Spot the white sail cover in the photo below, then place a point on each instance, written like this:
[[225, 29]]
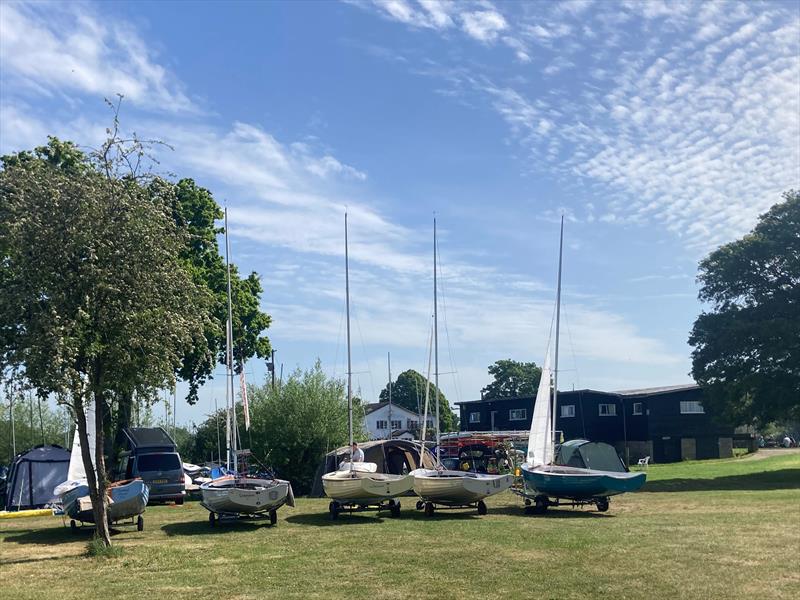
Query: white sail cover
[[540, 441], [245, 404], [76, 474]]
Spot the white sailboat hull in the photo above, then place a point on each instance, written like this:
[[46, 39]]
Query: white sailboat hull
[[364, 488], [246, 495], [457, 488]]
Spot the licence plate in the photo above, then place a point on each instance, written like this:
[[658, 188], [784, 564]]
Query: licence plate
[[159, 481]]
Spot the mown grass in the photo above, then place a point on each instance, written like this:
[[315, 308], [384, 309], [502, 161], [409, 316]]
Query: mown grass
[[715, 540]]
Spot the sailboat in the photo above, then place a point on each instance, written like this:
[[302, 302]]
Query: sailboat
[[441, 486], [358, 485], [547, 481], [233, 495], [126, 499]]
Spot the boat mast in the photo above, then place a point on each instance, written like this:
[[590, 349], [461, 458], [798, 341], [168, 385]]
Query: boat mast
[[349, 364], [229, 391], [558, 321], [436, 345], [389, 364]]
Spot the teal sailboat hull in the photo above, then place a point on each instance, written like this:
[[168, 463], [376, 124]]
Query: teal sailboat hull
[[574, 483]]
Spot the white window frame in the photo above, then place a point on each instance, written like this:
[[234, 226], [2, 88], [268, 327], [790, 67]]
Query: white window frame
[[610, 408], [567, 411], [692, 407], [518, 411], [381, 424], [474, 417], [641, 408], [397, 424], [412, 424]]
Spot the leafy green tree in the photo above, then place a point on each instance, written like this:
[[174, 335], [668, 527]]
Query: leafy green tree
[[35, 422], [96, 301], [295, 424], [747, 346], [512, 378], [409, 392]]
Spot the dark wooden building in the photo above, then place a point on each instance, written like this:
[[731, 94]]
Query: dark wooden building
[[668, 424]]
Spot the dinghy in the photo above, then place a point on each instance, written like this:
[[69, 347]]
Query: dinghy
[[551, 479], [358, 485], [127, 500], [231, 495], [441, 486]]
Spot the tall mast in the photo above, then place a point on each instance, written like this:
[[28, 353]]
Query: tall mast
[[558, 322], [229, 354], [436, 344], [389, 364], [349, 363]]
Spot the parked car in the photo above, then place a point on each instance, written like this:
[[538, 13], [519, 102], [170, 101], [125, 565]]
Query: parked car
[[153, 456]]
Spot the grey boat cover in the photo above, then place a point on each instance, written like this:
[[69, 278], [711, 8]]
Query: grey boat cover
[[33, 476], [589, 455]]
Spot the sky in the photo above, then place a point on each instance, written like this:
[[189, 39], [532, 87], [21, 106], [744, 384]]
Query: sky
[[659, 130]]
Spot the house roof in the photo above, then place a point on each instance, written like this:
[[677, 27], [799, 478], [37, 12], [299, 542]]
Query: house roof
[[371, 408], [657, 390]]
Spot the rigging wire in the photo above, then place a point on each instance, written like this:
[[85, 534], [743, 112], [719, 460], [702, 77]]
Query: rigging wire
[[441, 281]]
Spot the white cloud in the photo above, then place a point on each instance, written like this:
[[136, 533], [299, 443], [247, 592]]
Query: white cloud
[[57, 48], [483, 25]]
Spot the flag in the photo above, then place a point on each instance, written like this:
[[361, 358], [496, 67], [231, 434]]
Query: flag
[[245, 405]]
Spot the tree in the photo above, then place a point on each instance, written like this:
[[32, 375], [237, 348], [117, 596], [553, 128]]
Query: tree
[[35, 422], [409, 392], [96, 302], [295, 424], [747, 346], [512, 378]]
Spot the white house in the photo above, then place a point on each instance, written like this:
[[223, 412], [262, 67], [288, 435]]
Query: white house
[[405, 423]]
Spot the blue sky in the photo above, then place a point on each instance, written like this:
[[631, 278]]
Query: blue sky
[[659, 129]]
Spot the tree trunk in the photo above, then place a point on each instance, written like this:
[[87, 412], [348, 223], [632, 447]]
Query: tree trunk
[[123, 420], [100, 502], [98, 506]]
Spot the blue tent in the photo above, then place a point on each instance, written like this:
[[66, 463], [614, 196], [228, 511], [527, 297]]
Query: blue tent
[[33, 476]]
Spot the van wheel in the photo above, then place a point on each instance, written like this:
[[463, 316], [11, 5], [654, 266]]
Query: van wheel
[[140, 523]]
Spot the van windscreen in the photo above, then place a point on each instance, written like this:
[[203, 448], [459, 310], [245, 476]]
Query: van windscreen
[[158, 462]]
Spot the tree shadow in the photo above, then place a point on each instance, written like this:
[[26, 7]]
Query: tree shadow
[[783, 479], [24, 561], [441, 513], [221, 528], [50, 536]]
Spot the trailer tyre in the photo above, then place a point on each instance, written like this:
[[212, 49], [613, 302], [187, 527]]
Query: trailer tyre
[[602, 504], [212, 519], [429, 509], [73, 526], [394, 508], [140, 523], [273, 517], [420, 505], [540, 504], [334, 509], [482, 510]]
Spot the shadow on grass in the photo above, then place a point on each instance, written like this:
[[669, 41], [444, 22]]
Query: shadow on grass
[[783, 479], [52, 536], [554, 512], [23, 561], [441, 513], [323, 519], [205, 528]]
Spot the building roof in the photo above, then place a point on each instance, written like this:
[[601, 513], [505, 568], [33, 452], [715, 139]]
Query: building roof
[[372, 407], [657, 390], [637, 392]]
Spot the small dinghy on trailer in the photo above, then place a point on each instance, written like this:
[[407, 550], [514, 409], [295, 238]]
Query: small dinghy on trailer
[[231, 495], [452, 489], [357, 485], [582, 472], [127, 499]]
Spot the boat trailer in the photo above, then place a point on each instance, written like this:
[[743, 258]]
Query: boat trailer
[[336, 508], [537, 504], [431, 507], [215, 517]]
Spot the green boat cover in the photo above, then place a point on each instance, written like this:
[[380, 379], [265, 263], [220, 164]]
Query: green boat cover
[[589, 455]]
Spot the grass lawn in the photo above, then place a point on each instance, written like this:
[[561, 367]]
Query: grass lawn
[[710, 529]]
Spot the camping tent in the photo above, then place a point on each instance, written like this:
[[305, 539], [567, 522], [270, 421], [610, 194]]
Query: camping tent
[[33, 476], [391, 456], [589, 455]]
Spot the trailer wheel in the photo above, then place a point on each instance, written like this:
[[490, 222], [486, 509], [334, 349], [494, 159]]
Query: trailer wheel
[[602, 504], [394, 508], [334, 509], [273, 517], [73, 526], [140, 523], [482, 510], [429, 509], [212, 518], [420, 505], [179, 501], [540, 504]]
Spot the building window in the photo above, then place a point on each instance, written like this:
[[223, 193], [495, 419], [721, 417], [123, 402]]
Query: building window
[[567, 410], [637, 408], [475, 417], [412, 424], [518, 414], [691, 407], [607, 410], [397, 424], [380, 424]]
